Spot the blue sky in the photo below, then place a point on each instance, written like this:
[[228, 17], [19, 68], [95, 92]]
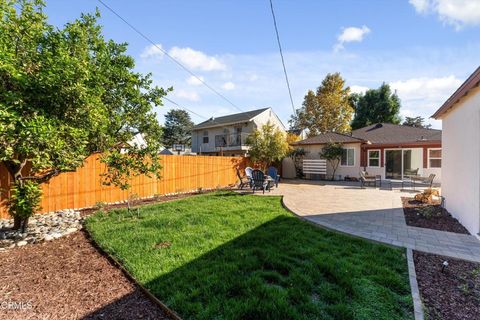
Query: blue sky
[[423, 48]]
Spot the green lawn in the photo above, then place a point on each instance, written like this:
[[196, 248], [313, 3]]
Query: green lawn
[[242, 256]]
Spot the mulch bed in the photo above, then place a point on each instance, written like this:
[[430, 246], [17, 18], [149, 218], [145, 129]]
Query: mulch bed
[[452, 294], [440, 220], [140, 202], [68, 279]]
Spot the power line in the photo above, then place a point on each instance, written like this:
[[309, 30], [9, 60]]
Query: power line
[[182, 107], [281, 55], [169, 56]]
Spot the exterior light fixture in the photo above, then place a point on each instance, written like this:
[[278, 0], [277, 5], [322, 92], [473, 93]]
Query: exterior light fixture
[[444, 265]]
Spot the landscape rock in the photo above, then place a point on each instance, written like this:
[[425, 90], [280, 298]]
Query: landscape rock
[[42, 227]]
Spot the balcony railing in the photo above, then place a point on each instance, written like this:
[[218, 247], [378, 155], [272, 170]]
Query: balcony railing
[[230, 140]]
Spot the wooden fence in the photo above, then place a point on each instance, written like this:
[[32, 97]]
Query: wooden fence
[[83, 188]]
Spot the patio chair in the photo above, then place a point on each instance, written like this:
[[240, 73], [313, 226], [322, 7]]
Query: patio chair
[[411, 172], [273, 173], [242, 180], [366, 179], [423, 181], [259, 181], [248, 174]]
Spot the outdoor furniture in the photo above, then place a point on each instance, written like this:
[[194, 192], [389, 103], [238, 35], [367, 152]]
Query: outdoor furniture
[[242, 180], [248, 174], [273, 173], [366, 179], [423, 181], [259, 181], [410, 173]]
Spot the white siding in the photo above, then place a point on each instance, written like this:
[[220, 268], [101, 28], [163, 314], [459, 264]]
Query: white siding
[[313, 152], [461, 160]]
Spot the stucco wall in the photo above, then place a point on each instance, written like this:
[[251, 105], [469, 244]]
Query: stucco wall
[[461, 160], [266, 116], [313, 152]]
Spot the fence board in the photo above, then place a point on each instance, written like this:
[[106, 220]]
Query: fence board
[[83, 188]]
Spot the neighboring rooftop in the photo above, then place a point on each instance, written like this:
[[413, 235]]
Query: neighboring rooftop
[[469, 84], [330, 137], [388, 133], [380, 133], [230, 119]]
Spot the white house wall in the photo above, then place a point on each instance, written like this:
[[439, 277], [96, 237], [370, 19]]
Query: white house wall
[[461, 160], [313, 152], [266, 116]]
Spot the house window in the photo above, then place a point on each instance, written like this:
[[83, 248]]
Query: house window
[[348, 157], [374, 158], [205, 137], [434, 158]]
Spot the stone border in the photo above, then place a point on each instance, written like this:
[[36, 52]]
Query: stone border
[[412, 276]]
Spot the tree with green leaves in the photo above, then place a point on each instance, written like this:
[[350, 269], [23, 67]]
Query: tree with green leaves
[[329, 109], [332, 152], [66, 94], [267, 145], [417, 122], [377, 106], [177, 129]]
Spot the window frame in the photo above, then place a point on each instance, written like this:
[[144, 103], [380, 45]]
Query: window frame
[[434, 158], [347, 165], [205, 135], [379, 158]]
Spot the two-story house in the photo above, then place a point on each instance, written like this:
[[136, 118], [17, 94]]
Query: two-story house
[[227, 135]]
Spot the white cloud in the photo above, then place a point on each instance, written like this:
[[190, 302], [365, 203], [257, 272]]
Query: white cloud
[[194, 81], [196, 60], [422, 96], [458, 13], [152, 51], [358, 89], [187, 95], [351, 34], [228, 85]]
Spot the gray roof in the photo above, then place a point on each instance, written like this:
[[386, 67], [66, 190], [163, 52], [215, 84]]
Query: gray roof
[[230, 119], [380, 133], [330, 137], [388, 133]]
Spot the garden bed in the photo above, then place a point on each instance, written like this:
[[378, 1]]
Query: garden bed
[[68, 279], [453, 294], [430, 216], [226, 255]]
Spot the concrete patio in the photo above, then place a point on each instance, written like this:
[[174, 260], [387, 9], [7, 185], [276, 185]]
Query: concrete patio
[[372, 213]]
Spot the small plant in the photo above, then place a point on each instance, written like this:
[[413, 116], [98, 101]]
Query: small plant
[[24, 201], [428, 211], [157, 196], [332, 152], [100, 206], [200, 190]]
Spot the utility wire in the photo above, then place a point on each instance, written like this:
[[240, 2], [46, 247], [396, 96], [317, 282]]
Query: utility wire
[[182, 107], [283, 61], [169, 56]]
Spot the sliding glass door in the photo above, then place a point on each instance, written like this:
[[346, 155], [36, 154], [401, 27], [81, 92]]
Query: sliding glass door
[[402, 163], [393, 164]]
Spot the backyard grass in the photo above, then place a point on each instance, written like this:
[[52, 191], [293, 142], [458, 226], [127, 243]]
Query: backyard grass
[[229, 256]]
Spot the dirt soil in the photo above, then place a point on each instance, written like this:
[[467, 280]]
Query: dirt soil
[[68, 279], [453, 294], [440, 219], [140, 202]]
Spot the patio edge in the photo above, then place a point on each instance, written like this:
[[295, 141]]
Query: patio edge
[[412, 276]]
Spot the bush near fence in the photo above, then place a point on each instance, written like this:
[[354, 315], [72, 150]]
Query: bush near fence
[[83, 188]]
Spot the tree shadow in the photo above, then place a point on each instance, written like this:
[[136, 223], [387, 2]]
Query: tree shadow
[[134, 305]]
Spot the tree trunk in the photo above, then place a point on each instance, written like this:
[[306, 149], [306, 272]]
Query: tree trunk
[[17, 223]]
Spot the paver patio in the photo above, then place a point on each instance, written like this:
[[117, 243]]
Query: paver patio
[[375, 214]]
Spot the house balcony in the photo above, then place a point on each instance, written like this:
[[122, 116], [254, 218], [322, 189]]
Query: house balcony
[[232, 141]]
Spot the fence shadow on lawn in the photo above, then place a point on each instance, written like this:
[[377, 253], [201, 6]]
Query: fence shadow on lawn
[[287, 268]]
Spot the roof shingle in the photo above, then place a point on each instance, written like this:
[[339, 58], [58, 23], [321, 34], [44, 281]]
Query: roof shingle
[[229, 119]]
